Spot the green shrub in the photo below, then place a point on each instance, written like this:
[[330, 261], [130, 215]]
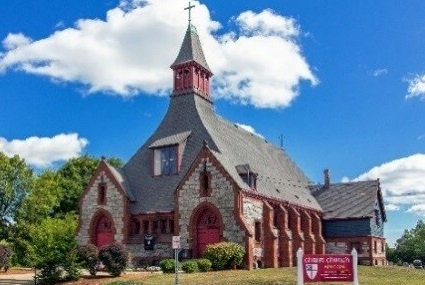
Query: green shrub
[[53, 249], [88, 255], [50, 273], [204, 265], [114, 257], [168, 265], [224, 255], [190, 266], [5, 254]]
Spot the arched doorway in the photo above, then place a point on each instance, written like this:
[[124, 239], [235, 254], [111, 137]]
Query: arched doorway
[[207, 230], [104, 233]]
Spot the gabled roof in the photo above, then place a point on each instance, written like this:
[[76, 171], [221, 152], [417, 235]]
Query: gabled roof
[[191, 49], [191, 121], [278, 176], [120, 179], [349, 200]]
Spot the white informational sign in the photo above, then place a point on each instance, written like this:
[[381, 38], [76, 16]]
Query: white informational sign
[[176, 242]]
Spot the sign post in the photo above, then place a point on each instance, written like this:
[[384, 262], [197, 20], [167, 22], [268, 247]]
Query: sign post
[[176, 246], [326, 268]]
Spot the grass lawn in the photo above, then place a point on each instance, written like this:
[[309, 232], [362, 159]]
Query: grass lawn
[[282, 276]]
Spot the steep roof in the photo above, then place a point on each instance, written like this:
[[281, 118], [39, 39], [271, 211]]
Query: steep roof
[[193, 118], [117, 173], [189, 122], [349, 200], [191, 49]]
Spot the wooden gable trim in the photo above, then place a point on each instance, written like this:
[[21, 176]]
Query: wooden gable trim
[[381, 201]]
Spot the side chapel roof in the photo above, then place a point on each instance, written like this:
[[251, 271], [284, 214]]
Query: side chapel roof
[[349, 200]]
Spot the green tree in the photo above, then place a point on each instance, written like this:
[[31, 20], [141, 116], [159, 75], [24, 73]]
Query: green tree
[[74, 177], [411, 245], [15, 182], [53, 249], [36, 207]]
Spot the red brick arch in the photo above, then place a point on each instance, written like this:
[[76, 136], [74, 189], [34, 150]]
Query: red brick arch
[[102, 228], [205, 218]]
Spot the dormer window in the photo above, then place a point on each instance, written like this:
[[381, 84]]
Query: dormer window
[[165, 160], [250, 179], [248, 175], [167, 153]]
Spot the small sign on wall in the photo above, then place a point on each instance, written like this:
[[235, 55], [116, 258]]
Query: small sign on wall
[[176, 242], [149, 242]]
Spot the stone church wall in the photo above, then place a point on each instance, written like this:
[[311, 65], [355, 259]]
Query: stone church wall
[[253, 212], [115, 202], [222, 197]]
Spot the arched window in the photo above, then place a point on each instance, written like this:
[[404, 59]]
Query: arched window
[[186, 78], [101, 194], [205, 182]]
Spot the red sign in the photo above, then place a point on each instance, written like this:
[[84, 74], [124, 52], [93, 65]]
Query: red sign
[[327, 267]]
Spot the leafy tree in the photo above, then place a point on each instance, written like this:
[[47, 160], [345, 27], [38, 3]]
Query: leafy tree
[[41, 200], [391, 254], [411, 245], [74, 177], [15, 182], [54, 249], [36, 207]]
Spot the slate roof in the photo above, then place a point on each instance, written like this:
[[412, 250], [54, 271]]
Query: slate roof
[[120, 179], [349, 200], [278, 176], [191, 49], [190, 120], [171, 140]]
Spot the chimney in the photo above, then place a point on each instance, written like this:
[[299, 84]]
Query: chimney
[[327, 178]]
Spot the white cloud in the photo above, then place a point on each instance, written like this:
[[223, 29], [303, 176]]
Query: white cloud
[[42, 152], [345, 179], [14, 41], [402, 182], [267, 23], [250, 129], [416, 87], [392, 207], [128, 52], [379, 72]]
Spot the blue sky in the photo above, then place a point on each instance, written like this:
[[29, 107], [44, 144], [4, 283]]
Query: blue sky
[[343, 81]]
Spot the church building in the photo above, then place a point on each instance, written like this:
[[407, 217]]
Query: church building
[[208, 180]]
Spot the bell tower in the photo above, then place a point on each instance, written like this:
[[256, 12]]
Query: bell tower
[[191, 73]]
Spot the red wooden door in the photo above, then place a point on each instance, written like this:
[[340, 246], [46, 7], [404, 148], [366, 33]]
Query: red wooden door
[[104, 233], [206, 237], [208, 231]]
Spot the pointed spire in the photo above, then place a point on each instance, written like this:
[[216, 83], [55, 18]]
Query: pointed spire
[[191, 50], [191, 71]]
